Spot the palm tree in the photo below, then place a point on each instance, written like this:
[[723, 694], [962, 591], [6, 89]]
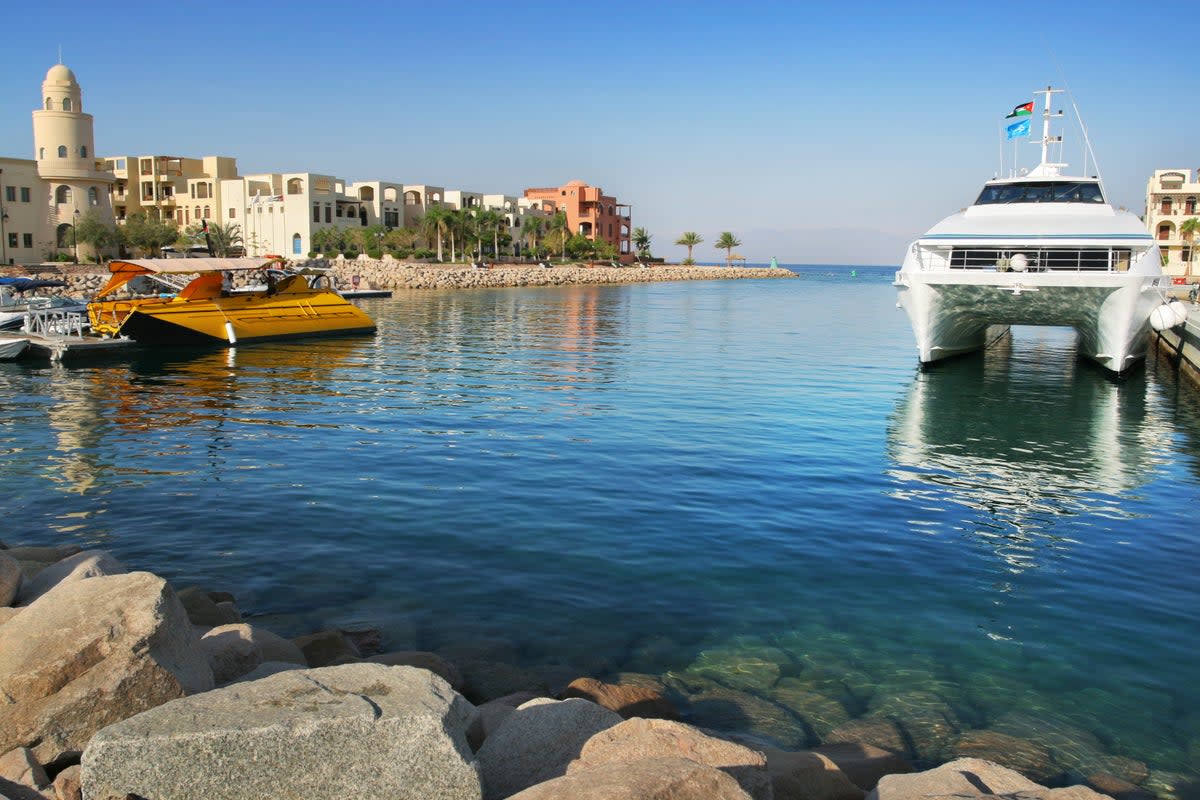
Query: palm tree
[[1188, 230], [641, 241], [434, 224], [727, 241], [558, 225], [689, 239]]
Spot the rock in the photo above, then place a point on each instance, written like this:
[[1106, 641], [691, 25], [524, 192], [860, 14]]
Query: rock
[[1031, 760], [807, 775], [10, 579], [67, 785], [360, 730], [83, 565], [274, 647], [487, 680], [628, 701], [322, 648], [230, 651], [91, 653], [537, 742], [873, 732], [650, 779], [201, 610], [268, 668], [21, 767], [965, 776], [863, 764], [425, 660], [638, 739]]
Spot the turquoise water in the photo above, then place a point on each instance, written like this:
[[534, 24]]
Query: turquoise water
[[744, 488]]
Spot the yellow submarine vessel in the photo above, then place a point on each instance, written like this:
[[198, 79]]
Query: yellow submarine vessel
[[208, 310]]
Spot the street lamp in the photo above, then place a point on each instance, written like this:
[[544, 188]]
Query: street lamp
[[75, 236]]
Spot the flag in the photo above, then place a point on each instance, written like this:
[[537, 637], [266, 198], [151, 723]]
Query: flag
[[1018, 129], [1023, 110]]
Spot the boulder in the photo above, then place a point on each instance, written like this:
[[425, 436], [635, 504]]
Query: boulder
[[863, 764], [83, 565], [10, 579], [323, 648], [965, 776], [628, 701], [230, 652], [807, 775], [650, 779], [359, 730], [425, 660], [91, 653], [201, 610], [638, 739], [537, 742]]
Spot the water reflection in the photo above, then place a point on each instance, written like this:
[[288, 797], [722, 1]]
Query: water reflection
[[1022, 437]]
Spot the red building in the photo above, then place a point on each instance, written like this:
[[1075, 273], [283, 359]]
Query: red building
[[590, 212]]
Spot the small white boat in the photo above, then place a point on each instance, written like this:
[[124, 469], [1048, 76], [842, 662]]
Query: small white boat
[[11, 347], [1039, 249]]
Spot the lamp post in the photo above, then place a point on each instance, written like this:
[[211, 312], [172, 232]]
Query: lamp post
[[75, 235]]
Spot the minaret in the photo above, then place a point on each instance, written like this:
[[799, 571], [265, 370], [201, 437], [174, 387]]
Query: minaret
[[65, 149]]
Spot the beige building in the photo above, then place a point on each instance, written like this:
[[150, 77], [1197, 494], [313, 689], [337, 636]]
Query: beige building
[[1172, 198], [185, 190]]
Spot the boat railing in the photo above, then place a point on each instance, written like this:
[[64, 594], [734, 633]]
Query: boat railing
[[1025, 259], [55, 322]]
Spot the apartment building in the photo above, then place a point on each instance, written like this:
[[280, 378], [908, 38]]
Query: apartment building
[[590, 212], [1171, 200]]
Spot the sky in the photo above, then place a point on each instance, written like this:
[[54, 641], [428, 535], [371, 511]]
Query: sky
[[823, 133]]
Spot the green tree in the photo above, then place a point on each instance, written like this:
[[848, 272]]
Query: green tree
[[689, 239], [148, 235], [1188, 231], [92, 230], [434, 225], [727, 241], [641, 242]]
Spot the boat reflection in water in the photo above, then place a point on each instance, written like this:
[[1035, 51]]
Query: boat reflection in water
[[1023, 437]]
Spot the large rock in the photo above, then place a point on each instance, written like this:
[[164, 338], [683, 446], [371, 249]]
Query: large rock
[[10, 579], [87, 564], [966, 776], [650, 779], [359, 730], [807, 775], [92, 653], [537, 742], [230, 651], [638, 739], [628, 701]]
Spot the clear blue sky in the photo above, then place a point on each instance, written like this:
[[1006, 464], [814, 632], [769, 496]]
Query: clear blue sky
[[824, 134]]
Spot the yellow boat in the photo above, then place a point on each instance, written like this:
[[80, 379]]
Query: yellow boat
[[206, 310]]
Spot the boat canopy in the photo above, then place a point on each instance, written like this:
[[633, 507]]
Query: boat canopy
[[125, 270]]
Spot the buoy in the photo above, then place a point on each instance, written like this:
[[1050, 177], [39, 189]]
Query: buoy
[[1162, 318], [1180, 310], [229, 334]]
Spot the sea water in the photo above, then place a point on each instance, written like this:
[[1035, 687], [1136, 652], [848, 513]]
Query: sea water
[[746, 489]]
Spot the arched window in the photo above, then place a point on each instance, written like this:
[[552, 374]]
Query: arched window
[[66, 104], [49, 104], [62, 151], [62, 194], [295, 244], [83, 151], [93, 197]]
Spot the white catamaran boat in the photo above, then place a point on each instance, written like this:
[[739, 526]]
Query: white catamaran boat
[[1039, 249]]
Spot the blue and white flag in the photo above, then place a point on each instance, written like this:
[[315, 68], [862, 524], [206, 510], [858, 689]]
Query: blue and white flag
[[1018, 129]]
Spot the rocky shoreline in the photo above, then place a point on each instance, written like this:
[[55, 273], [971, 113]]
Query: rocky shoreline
[[113, 684]]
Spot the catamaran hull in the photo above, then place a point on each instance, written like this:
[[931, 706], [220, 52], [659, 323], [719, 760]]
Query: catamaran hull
[[956, 312]]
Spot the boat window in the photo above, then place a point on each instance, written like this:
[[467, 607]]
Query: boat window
[[1041, 192]]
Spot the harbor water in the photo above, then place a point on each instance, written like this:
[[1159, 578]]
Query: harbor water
[[747, 489]]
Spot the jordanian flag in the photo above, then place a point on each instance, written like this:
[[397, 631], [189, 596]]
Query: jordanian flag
[[1023, 110]]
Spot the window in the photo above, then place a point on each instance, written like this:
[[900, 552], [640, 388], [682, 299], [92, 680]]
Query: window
[[83, 151], [316, 212], [10, 194], [28, 239], [62, 151], [12, 240], [93, 198], [66, 104], [232, 213], [24, 194], [62, 194]]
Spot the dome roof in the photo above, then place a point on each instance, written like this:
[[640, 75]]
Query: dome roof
[[60, 73]]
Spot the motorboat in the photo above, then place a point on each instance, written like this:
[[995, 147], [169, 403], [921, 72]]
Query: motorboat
[[1039, 248], [11, 347], [15, 303], [166, 310]]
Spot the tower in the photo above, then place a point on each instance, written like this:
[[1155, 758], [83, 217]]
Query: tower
[[65, 151]]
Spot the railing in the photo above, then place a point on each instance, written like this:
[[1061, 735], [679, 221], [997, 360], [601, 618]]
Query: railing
[[1027, 259]]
